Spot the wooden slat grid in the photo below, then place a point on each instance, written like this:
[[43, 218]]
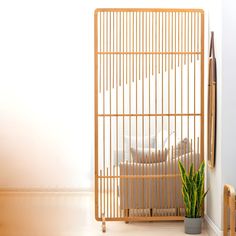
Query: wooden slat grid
[[149, 95]]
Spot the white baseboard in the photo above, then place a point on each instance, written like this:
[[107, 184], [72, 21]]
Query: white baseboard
[[212, 228]]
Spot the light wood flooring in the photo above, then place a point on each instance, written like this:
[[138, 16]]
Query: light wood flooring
[[67, 214]]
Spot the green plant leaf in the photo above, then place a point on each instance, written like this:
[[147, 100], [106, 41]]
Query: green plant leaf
[[193, 189], [191, 172], [182, 173], [186, 202]]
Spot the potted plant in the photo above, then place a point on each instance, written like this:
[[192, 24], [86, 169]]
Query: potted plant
[[193, 196]]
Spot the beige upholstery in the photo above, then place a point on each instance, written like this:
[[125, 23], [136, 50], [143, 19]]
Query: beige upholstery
[[160, 193]]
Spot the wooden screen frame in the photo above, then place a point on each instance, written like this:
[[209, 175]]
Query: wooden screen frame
[[96, 115]]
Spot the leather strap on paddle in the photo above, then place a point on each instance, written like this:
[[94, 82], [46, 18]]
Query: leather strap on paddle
[[212, 46]]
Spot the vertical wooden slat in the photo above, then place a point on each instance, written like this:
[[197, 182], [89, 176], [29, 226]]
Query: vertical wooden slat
[[107, 48], [168, 37], [185, 25], [123, 95], [131, 69], [127, 188], [162, 108], [140, 42], [172, 38], [117, 84], [110, 83], [194, 81], [168, 76], [133, 45], [195, 33], [172, 192], [96, 110], [181, 33], [156, 71], [187, 123], [188, 33], [107, 195], [153, 181], [179, 159], [131, 74], [148, 49], [125, 45], [188, 89], [100, 48], [136, 99], [145, 32], [181, 83], [175, 96], [101, 208], [202, 88], [114, 193], [149, 44], [159, 42], [153, 41], [143, 106], [178, 37], [146, 186], [198, 35], [120, 40], [158, 171], [104, 121], [191, 35], [149, 104], [165, 29], [113, 49]]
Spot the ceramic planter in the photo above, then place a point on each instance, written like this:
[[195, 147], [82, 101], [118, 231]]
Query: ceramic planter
[[193, 225]]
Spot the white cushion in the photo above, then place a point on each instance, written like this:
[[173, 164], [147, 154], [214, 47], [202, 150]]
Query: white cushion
[[147, 155], [145, 140], [139, 142]]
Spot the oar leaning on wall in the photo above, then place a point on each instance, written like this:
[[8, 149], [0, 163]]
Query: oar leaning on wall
[[212, 105]]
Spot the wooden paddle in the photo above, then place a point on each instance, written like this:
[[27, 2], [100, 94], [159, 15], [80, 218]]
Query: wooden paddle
[[212, 105]]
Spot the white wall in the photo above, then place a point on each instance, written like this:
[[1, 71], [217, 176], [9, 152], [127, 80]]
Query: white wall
[[222, 19], [228, 93], [214, 176], [46, 90]]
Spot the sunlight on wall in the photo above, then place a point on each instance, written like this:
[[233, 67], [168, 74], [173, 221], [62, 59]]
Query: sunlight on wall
[[46, 90]]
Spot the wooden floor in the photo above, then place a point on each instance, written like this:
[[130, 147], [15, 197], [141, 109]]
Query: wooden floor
[[67, 214]]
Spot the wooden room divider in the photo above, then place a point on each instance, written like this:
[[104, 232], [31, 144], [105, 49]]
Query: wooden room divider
[[149, 110]]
